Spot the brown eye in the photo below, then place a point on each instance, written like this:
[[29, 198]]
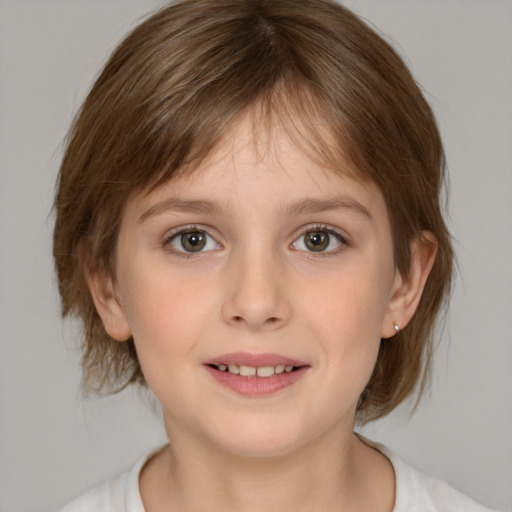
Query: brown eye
[[193, 241], [317, 241]]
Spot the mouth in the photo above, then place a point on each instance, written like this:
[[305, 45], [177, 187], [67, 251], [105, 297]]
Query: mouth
[[256, 374], [254, 371]]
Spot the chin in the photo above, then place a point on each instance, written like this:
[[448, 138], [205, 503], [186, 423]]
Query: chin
[[256, 439]]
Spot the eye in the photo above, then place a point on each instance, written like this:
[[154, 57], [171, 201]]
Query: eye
[[192, 241], [319, 240]]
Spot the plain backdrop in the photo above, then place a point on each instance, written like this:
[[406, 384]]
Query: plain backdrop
[[54, 444]]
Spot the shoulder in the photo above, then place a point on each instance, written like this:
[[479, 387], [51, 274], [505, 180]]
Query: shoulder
[[418, 492], [107, 497], [121, 494], [424, 493], [428, 494]]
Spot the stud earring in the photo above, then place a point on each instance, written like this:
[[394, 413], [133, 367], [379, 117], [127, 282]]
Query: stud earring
[[396, 327]]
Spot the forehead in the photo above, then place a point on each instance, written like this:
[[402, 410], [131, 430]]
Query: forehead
[[265, 167], [260, 140]]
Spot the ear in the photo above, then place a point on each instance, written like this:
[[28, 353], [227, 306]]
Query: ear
[[108, 305], [407, 290]]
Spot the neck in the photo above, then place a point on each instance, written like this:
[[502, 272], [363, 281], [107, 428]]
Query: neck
[[345, 474]]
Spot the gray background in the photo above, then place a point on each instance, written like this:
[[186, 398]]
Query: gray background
[[53, 444]]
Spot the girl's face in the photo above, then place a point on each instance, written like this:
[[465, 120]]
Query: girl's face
[[260, 263]]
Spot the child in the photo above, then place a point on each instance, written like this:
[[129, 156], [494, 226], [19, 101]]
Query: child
[[248, 222]]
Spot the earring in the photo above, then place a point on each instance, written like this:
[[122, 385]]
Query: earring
[[396, 327]]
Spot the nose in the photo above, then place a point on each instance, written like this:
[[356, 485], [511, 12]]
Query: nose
[[255, 293]]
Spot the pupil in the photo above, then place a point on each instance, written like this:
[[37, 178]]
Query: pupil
[[194, 241], [317, 241]]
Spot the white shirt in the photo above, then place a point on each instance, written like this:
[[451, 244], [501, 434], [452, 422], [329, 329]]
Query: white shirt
[[414, 492]]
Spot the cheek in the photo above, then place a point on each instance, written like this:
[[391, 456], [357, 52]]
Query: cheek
[[347, 317], [350, 304], [170, 314], [157, 295], [164, 323]]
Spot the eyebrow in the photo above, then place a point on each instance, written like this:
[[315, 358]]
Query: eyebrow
[[302, 206], [202, 206], [314, 205]]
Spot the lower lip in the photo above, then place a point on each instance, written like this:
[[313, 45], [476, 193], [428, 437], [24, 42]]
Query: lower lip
[[257, 386]]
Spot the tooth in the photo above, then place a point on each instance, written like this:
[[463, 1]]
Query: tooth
[[247, 371], [265, 371], [280, 368], [233, 368], [222, 367], [288, 368]]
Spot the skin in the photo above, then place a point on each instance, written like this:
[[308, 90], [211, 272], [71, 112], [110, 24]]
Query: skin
[[257, 287]]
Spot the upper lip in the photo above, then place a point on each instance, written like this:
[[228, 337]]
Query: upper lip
[[247, 359]]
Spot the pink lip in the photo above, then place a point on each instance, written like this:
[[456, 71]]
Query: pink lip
[[255, 360], [256, 386]]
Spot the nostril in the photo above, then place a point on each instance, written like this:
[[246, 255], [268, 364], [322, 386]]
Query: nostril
[[270, 320]]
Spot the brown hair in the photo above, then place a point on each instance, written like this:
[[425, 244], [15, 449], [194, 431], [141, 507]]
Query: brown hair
[[177, 83]]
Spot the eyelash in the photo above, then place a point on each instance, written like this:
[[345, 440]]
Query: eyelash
[[308, 230], [331, 232], [182, 230]]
